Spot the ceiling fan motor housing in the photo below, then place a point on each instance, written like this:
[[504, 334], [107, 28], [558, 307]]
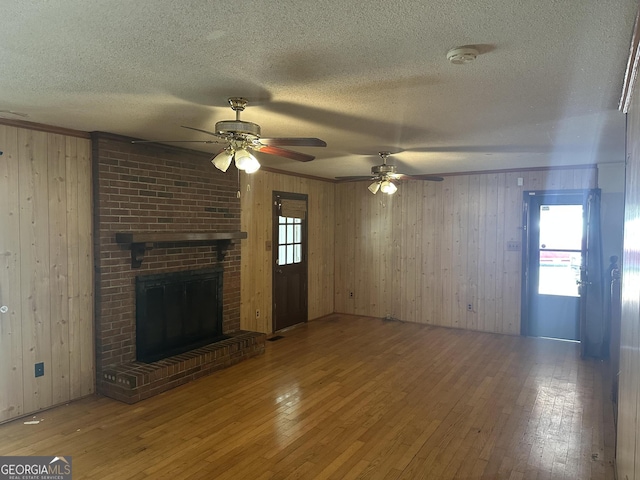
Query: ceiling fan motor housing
[[234, 127], [383, 170]]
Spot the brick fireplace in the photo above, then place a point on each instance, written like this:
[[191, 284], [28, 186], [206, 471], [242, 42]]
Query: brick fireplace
[[160, 210]]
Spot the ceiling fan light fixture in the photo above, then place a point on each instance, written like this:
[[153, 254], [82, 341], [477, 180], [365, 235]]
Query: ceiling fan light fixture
[[245, 161], [253, 166], [222, 160], [388, 187], [374, 187]]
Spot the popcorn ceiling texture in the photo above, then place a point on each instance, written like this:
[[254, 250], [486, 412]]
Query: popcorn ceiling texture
[[361, 76]]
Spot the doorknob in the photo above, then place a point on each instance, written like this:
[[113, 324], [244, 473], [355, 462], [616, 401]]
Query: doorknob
[[4, 309], [278, 270], [583, 284]]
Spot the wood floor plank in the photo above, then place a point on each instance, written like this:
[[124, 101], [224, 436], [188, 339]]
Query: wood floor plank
[[350, 397]]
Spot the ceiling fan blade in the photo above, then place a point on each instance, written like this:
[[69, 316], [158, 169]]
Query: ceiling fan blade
[[430, 178], [200, 130], [355, 178], [294, 142], [347, 122], [283, 152], [175, 141]]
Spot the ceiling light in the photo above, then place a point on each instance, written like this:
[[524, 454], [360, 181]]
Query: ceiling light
[[223, 159], [374, 187], [462, 55], [388, 187], [245, 161]]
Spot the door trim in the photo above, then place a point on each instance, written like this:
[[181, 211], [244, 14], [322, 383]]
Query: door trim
[[305, 258]]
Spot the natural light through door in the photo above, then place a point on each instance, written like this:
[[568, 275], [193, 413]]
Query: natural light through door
[[560, 249]]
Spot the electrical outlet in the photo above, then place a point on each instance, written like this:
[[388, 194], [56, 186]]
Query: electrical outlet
[[470, 307], [350, 294], [257, 313], [40, 369], [513, 246]]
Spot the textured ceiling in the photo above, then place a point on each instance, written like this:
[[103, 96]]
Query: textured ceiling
[[363, 76]]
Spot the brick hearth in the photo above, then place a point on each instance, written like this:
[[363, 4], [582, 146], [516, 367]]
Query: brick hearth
[[151, 188], [136, 381]]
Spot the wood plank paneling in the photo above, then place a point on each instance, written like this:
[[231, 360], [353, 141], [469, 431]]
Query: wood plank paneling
[[447, 250], [35, 278], [475, 221], [73, 269], [431, 227], [11, 365], [58, 269], [256, 269], [345, 234], [394, 204], [444, 310], [85, 321], [41, 197], [628, 445], [362, 257], [512, 260]]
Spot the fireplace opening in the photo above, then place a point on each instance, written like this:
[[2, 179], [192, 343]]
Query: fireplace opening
[[177, 312]]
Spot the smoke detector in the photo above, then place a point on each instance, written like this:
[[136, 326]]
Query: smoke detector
[[462, 55]]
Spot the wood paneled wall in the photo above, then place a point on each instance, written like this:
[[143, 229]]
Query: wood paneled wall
[[628, 444], [46, 270], [257, 261], [426, 253]]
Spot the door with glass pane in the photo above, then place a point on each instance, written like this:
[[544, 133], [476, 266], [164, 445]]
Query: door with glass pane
[[554, 258], [290, 259]]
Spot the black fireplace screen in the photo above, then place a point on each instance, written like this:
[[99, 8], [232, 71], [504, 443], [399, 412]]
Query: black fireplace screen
[[177, 312]]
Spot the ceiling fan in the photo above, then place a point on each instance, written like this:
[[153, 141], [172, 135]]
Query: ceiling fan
[[384, 177], [241, 137]]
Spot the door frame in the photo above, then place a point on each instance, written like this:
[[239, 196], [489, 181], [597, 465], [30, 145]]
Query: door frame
[[525, 303], [274, 258]]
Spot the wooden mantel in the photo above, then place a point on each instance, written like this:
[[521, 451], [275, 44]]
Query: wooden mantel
[[142, 241]]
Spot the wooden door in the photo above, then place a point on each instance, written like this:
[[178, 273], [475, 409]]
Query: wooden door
[[289, 260]]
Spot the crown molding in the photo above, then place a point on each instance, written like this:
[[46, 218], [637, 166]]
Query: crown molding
[[41, 127]]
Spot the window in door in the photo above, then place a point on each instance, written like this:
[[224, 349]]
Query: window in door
[[289, 240], [560, 247]]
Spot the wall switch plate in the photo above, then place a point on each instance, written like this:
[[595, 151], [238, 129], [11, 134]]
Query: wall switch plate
[[40, 369]]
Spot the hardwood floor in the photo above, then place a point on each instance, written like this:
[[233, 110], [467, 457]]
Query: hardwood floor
[[349, 397]]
